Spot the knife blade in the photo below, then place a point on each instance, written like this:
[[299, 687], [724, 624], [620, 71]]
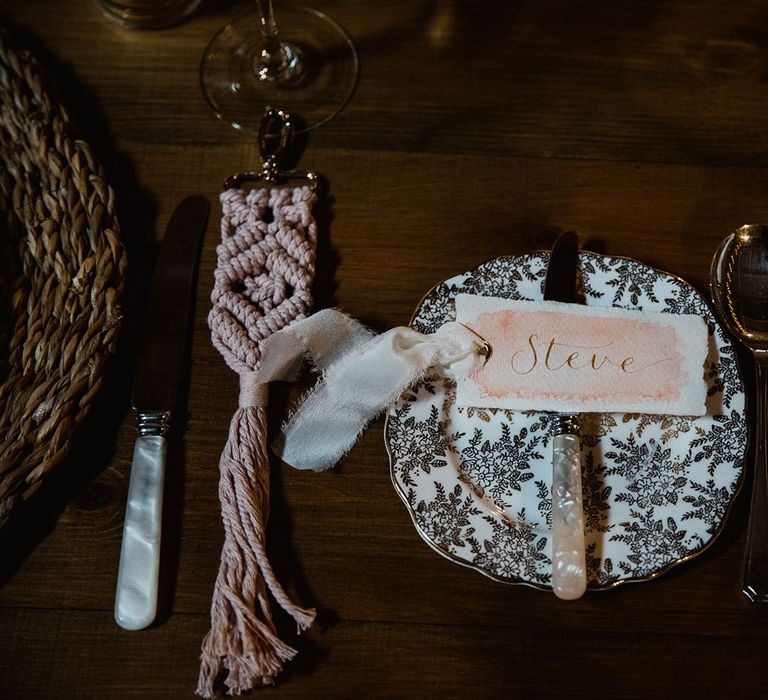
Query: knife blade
[[156, 381], [569, 573]]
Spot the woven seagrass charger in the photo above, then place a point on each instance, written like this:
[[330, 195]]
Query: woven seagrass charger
[[62, 270]]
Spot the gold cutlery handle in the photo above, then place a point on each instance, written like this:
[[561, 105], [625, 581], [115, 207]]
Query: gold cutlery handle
[[755, 567]]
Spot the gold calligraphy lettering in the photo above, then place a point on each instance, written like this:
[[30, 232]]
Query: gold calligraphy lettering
[[571, 360], [531, 343]]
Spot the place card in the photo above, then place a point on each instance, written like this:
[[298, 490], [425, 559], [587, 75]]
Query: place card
[[573, 358]]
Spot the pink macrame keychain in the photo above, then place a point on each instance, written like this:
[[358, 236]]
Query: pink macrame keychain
[[266, 263]]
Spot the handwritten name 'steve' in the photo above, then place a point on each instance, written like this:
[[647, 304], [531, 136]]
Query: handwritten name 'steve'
[[568, 357]]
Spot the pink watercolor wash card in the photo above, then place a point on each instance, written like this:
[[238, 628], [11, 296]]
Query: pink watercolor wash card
[[572, 358]]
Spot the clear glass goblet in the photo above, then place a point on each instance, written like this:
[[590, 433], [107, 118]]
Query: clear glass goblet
[[308, 69]]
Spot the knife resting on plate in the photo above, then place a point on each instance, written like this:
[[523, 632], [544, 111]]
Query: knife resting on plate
[[156, 381], [569, 571]]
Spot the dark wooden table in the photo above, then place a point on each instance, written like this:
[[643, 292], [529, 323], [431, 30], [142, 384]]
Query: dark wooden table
[[477, 130]]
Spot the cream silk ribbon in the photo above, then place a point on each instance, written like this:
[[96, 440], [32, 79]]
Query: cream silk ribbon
[[361, 374]]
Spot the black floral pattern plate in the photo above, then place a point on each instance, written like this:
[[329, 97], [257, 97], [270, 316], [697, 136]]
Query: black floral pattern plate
[[657, 489]]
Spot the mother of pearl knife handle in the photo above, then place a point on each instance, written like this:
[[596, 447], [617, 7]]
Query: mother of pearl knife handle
[[137, 579], [569, 570]]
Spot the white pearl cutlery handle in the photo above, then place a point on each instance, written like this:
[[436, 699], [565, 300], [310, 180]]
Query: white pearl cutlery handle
[[569, 570], [137, 579]]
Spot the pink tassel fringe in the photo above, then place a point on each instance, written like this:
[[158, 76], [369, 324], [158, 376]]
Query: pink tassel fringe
[[242, 640]]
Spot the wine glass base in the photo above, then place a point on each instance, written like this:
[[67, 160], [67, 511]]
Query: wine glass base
[[239, 95]]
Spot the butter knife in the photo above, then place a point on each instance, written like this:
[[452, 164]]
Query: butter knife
[[569, 571], [156, 381]]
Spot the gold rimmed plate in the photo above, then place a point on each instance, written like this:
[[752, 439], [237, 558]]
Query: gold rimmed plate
[[657, 489]]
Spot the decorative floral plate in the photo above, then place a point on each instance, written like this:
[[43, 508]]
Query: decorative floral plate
[[657, 489]]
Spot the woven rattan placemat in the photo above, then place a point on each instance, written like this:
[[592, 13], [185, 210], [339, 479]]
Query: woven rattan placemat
[[62, 270]]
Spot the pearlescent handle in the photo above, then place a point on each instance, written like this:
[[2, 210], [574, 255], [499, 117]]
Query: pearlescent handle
[[569, 571], [137, 579]]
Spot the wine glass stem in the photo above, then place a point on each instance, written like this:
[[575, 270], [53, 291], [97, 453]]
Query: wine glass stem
[[276, 61], [271, 41]]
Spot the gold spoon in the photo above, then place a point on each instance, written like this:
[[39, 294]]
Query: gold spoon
[[739, 285]]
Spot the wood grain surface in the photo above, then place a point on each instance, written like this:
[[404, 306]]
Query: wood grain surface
[[478, 129]]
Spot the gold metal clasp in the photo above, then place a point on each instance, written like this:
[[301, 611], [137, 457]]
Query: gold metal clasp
[[275, 128]]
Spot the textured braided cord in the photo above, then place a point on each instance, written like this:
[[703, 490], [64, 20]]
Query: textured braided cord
[[262, 283]]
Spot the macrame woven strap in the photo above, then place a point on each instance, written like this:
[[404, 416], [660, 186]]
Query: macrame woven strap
[[262, 283], [265, 268]]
